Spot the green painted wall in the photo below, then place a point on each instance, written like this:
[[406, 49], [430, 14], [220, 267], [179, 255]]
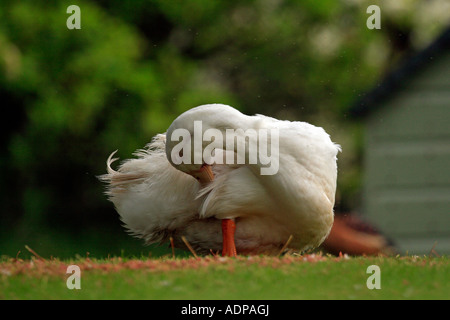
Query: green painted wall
[[407, 162]]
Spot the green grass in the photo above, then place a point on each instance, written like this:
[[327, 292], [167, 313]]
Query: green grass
[[283, 278]]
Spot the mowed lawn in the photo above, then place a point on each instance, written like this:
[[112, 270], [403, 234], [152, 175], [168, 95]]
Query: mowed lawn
[[285, 278]]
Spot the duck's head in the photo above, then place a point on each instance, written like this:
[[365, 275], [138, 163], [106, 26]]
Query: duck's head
[[181, 157], [184, 139]]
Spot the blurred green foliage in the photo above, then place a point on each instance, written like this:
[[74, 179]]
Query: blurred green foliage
[[71, 97]]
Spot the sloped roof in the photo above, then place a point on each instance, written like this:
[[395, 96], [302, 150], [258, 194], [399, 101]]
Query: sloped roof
[[394, 80]]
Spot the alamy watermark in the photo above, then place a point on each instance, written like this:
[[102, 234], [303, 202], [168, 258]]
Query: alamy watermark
[[248, 146], [74, 280], [74, 20], [374, 280], [374, 21]]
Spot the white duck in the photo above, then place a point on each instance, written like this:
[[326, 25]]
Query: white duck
[[233, 207]]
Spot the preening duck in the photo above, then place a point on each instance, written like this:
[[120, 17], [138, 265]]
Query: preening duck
[[229, 182]]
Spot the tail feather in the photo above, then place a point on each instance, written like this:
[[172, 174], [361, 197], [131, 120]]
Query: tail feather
[[117, 180]]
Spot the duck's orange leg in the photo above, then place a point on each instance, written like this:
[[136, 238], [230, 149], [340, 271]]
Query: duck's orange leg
[[205, 176], [228, 229]]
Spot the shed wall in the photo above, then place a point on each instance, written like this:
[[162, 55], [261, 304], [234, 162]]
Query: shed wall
[[407, 163]]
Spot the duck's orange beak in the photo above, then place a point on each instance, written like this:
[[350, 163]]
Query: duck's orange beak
[[204, 175]]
